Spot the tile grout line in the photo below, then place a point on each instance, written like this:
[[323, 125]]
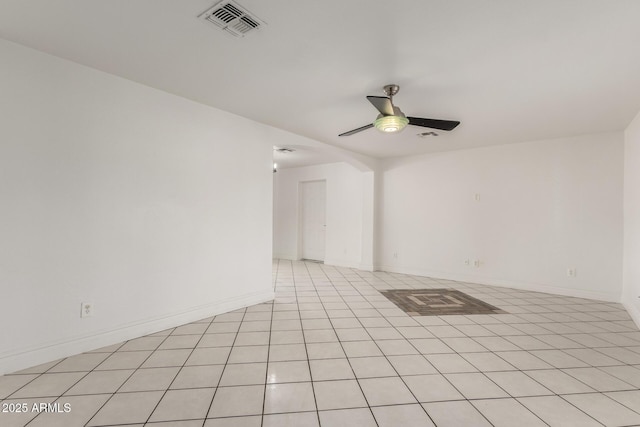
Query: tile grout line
[[266, 373], [401, 377], [306, 350], [244, 313], [510, 396], [125, 381], [179, 370], [447, 379], [342, 347]]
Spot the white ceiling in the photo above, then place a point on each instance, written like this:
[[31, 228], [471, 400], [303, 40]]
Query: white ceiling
[[509, 70]]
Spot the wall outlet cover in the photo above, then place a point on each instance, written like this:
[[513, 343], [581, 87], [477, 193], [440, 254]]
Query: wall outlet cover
[[86, 309]]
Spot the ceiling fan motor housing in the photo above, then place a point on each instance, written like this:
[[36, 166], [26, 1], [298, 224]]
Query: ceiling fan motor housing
[[391, 90]]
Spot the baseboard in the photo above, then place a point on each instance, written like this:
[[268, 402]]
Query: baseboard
[[342, 263], [288, 257], [25, 358], [634, 312], [535, 287], [366, 267], [337, 262]]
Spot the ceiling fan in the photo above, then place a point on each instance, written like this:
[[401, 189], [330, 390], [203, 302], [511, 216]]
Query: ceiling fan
[[391, 119]]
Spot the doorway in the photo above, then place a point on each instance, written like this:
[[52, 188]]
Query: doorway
[[312, 219]]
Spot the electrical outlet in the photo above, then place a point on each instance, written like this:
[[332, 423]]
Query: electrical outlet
[[477, 197], [476, 263], [86, 309], [395, 255], [571, 272], [466, 262]]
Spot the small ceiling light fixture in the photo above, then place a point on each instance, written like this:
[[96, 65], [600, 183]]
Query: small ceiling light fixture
[[275, 167], [390, 124]]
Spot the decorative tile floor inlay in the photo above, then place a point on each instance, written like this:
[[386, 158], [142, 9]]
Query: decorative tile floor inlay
[[438, 302]]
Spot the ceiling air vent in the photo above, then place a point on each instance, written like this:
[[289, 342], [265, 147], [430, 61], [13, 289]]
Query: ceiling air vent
[[232, 18], [284, 150], [427, 134]]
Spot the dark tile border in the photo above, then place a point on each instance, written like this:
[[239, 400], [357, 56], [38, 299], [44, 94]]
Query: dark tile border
[[438, 302]]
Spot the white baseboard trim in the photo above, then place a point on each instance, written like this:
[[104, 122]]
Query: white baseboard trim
[[634, 312], [535, 287], [24, 358], [366, 267], [332, 261], [287, 257], [341, 263]]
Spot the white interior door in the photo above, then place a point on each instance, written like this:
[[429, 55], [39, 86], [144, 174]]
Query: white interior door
[[313, 219]]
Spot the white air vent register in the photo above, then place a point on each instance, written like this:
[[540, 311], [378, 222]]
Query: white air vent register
[[232, 18]]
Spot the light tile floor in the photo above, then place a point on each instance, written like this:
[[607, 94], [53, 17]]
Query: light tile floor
[[332, 351]]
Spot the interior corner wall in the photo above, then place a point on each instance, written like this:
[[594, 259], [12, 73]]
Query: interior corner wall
[[154, 208], [631, 270], [526, 212], [344, 215]]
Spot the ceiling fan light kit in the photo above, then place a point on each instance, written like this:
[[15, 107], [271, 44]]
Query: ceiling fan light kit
[[389, 124], [392, 120]]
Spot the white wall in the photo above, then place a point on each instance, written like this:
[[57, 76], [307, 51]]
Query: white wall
[[544, 207], [631, 274], [344, 212], [154, 208]]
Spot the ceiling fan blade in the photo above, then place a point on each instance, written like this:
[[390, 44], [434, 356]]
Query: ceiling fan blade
[[433, 123], [351, 132], [382, 104]]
